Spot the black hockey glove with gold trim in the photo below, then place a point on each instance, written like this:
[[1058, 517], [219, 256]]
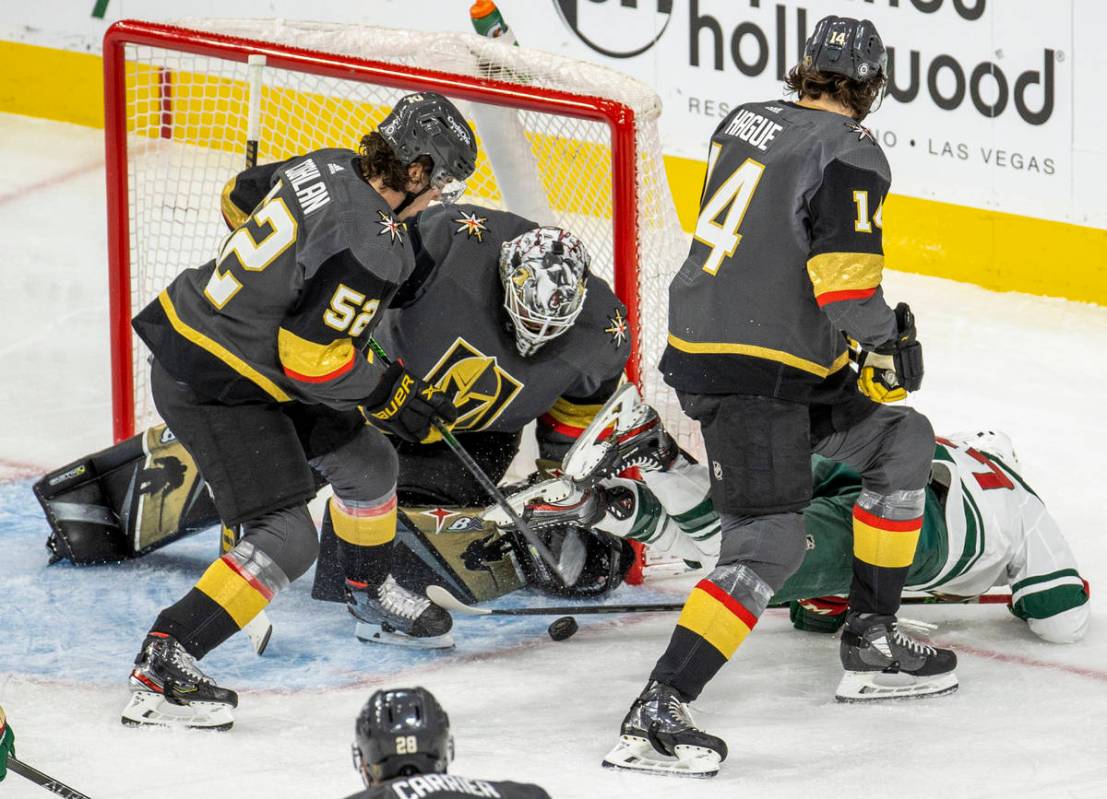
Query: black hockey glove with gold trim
[[404, 405], [895, 368]]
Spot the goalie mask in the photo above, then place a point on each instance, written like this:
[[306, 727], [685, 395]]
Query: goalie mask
[[544, 272]]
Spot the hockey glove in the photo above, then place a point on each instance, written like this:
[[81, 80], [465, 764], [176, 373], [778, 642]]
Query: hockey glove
[[895, 368], [404, 405], [7, 745], [823, 615]]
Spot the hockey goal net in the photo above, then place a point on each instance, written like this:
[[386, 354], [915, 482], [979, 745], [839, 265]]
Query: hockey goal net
[[561, 141]]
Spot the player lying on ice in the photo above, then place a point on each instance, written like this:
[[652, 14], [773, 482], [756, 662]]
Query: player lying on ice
[[982, 526], [403, 747]]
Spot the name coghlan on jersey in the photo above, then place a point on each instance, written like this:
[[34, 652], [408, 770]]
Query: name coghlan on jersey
[[314, 195], [753, 128]]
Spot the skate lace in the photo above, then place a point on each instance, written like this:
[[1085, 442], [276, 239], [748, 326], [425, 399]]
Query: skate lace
[[398, 601], [186, 664], [910, 644], [679, 712]]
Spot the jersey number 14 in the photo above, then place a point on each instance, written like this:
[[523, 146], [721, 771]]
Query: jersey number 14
[[733, 196]]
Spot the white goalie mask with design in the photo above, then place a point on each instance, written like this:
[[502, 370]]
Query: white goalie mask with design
[[544, 273]]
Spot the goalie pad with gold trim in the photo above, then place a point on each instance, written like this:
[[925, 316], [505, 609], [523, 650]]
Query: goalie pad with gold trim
[[124, 501]]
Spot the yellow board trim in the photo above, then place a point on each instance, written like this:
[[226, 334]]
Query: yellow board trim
[[755, 351], [884, 548], [310, 359], [845, 271], [364, 531], [999, 251], [711, 620], [226, 588], [219, 351]]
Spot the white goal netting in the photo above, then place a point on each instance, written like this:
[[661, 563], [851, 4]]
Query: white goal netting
[[186, 129]]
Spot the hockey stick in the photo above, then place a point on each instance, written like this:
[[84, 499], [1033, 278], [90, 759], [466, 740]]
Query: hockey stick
[[484, 480], [444, 599], [38, 778], [259, 629]]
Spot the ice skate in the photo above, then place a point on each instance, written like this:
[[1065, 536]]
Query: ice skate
[[390, 614], [578, 507], [882, 662], [659, 737], [639, 440], [169, 690]]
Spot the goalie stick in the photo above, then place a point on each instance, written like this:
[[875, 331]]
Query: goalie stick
[[259, 629], [444, 599], [486, 483], [44, 780]]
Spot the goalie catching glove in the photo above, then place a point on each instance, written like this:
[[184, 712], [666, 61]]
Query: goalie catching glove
[[895, 368], [405, 406]]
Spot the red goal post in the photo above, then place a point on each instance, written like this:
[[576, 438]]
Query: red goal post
[[175, 129]]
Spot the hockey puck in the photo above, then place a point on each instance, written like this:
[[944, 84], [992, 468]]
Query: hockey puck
[[563, 628]]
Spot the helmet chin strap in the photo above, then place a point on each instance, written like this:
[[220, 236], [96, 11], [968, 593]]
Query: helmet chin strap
[[409, 198]]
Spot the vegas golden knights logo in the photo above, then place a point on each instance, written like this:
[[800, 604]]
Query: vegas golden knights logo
[[480, 388]]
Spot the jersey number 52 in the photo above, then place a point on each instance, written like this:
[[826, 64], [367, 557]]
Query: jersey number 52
[[250, 254]]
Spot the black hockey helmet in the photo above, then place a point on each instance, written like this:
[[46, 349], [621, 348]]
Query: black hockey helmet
[[428, 124], [401, 732], [846, 46]]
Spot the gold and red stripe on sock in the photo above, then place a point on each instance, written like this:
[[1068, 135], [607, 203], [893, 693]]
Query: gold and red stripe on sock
[[717, 617], [365, 524], [242, 582], [885, 543]]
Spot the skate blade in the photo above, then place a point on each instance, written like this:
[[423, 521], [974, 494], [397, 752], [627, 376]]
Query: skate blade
[[375, 634], [876, 686], [553, 490], [147, 709], [637, 754], [589, 450]]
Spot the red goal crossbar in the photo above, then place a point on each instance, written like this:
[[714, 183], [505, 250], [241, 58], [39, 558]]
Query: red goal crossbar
[[619, 118]]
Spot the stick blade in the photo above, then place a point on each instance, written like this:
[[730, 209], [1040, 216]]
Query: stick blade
[[447, 601]]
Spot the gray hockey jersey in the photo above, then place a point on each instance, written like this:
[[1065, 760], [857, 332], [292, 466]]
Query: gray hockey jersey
[[285, 311], [449, 327], [450, 786], [786, 256]]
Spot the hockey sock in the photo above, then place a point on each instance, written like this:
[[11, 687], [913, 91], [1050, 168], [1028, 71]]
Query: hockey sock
[[717, 617], [883, 549], [365, 532], [232, 591]]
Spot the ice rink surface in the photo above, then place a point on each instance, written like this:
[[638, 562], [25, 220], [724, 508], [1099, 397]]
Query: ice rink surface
[[1030, 718]]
